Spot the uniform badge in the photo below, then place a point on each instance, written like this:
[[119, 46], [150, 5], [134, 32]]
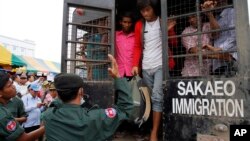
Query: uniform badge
[[11, 126], [110, 112]]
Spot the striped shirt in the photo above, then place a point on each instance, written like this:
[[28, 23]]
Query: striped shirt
[[191, 64]]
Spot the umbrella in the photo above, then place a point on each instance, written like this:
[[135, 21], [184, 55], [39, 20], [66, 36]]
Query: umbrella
[[9, 59]]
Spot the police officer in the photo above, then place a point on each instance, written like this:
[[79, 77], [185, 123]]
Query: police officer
[[16, 108], [68, 121], [10, 130]]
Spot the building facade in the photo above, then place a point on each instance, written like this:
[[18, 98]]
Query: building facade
[[18, 47]]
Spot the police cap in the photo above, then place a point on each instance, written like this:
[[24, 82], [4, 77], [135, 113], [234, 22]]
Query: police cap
[[66, 81], [52, 86]]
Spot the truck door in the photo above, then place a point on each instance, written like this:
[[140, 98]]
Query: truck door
[[88, 38], [200, 105]]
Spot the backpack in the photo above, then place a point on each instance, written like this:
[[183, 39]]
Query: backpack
[[141, 100]]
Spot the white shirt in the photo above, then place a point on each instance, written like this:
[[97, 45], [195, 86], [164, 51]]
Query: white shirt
[[34, 113], [152, 52], [23, 89], [17, 86]]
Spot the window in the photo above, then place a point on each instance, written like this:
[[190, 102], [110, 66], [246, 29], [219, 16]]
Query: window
[[14, 48], [202, 48], [89, 42]]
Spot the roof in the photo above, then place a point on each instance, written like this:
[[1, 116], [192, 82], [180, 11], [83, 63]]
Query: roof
[[35, 65]]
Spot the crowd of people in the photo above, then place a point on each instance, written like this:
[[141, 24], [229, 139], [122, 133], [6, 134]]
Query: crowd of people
[[33, 96], [66, 119], [215, 63], [24, 100]]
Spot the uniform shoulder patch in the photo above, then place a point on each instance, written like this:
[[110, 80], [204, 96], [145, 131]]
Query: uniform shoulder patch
[[110, 112], [11, 126]]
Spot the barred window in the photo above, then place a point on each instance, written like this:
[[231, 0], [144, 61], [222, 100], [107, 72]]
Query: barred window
[[206, 38], [89, 42]]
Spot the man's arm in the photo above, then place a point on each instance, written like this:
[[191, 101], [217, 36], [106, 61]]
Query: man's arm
[[21, 119], [213, 24], [230, 43], [137, 48], [189, 43], [28, 107], [22, 115], [124, 99], [124, 104], [172, 42], [32, 135], [107, 120], [219, 55], [10, 129], [208, 5]]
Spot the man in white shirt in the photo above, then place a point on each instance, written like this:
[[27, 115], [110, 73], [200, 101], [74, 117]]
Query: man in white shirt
[[33, 107], [23, 85]]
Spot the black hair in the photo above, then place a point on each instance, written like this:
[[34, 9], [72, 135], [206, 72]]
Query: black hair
[[4, 78], [141, 4], [29, 76], [13, 77], [68, 95], [128, 14]]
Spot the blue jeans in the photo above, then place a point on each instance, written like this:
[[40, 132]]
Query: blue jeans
[[153, 79]]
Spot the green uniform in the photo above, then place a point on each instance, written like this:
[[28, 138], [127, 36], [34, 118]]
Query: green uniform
[[73, 123], [10, 130], [16, 107]]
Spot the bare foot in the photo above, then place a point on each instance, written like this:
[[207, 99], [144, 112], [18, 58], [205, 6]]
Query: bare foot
[[153, 136]]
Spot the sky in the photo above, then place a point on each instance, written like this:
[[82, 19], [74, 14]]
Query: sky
[[36, 20]]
